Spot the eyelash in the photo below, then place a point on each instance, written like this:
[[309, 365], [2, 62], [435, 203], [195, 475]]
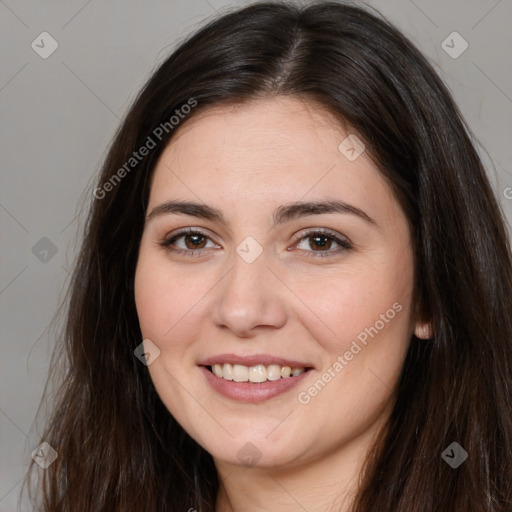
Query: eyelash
[[343, 243]]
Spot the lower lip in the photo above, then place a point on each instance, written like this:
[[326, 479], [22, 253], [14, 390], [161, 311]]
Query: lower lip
[[249, 391]]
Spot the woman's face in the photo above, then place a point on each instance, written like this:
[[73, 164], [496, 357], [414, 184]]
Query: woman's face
[[267, 282]]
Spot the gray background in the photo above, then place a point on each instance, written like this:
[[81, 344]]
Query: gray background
[[57, 116]]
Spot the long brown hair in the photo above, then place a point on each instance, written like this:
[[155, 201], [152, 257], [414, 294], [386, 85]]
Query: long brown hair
[[121, 450]]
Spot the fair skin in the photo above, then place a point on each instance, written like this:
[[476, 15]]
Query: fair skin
[[246, 161]]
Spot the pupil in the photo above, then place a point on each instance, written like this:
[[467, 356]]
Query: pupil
[[196, 239], [316, 242]]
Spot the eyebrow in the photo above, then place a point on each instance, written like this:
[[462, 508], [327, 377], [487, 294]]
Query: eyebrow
[[281, 215]]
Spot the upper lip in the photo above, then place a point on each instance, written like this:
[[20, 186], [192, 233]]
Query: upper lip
[[253, 360]]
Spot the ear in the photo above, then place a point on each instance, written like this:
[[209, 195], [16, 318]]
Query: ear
[[423, 330]]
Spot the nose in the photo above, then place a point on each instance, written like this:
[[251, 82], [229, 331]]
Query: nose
[[249, 298]]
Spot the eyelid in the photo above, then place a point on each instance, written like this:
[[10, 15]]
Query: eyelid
[[188, 230], [324, 231]]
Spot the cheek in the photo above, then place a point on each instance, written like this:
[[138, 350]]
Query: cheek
[[362, 359], [168, 302], [359, 304], [157, 298], [151, 298], [165, 307]]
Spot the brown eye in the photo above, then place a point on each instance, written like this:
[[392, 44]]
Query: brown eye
[[320, 243], [197, 241], [190, 242]]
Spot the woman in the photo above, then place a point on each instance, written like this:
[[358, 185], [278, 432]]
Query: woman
[[294, 289]]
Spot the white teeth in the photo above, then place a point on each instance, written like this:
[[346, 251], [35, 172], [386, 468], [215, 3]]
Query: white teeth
[[227, 371], [217, 370], [240, 373], [273, 372], [256, 373]]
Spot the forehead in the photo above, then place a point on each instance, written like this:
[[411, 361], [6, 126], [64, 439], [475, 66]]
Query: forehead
[[275, 128], [266, 151]]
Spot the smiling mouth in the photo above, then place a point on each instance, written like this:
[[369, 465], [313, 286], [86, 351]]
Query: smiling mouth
[[256, 374]]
